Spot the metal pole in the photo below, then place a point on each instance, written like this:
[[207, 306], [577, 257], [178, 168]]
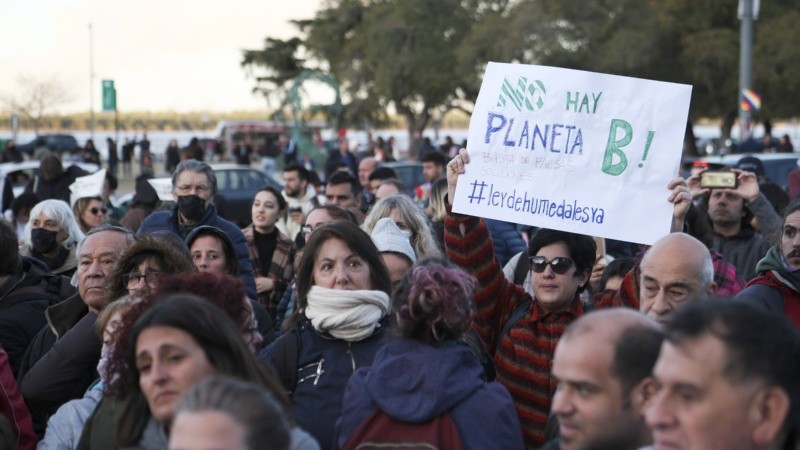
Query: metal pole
[[745, 65], [91, 82], [116, 123]]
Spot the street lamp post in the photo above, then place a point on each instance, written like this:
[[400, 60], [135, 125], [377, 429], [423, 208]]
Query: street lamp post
[[748, 10], [91, 82]]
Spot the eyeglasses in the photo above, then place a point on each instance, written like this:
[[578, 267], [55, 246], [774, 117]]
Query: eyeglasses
[[187, 188], [559, 264], [132, 279], [95, 210]]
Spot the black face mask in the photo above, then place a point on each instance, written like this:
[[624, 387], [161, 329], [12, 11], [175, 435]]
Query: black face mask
[[191, 207], [44, 241]]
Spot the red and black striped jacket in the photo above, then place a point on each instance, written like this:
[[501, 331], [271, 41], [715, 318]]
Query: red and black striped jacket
[[523, 357]]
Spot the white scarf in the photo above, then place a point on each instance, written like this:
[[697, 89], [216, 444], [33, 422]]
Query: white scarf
[[347, 315]]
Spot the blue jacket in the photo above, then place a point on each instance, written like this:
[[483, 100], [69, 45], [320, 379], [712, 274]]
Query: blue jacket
[[507, 239], [168, 220], [324, 365], [415, 382]]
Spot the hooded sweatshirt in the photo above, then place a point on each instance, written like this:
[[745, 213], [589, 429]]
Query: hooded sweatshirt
[[414, 382], [774, 274]]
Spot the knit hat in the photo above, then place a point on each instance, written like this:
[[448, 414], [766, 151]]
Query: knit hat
[[751, 164], [389, 238]]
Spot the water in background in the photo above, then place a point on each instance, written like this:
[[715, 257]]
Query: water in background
[[160, 139]]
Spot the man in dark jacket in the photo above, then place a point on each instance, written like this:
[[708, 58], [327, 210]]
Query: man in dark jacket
[[777, 286], [53, 180], [194, 186], [27, 288], [61, 361]]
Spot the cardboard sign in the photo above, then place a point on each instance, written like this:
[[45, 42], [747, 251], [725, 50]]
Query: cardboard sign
[[163, 187], [87, 186], [576, 151]]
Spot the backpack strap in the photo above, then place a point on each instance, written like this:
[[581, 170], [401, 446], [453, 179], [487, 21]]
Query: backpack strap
[[522, 309], [519, 313], [287, 355], [9, 285], [766, 296], [522, 269]]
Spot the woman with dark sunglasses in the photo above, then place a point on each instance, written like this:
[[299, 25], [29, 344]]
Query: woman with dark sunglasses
[[89, 212], [520, 330]]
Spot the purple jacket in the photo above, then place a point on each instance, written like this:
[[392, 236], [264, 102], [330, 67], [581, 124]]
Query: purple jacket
[[415, 382]]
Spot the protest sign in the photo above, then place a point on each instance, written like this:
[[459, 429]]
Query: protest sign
[[87, 186], [163, 187], [576, 151]]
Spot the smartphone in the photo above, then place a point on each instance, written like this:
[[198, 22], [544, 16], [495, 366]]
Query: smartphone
[[718, 180]]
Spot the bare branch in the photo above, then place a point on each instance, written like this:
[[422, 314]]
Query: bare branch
[[35, 97]]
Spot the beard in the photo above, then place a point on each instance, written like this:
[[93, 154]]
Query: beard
[[294, 193]]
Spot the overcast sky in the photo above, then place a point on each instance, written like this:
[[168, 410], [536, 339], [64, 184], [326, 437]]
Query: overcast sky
[[179, 55]]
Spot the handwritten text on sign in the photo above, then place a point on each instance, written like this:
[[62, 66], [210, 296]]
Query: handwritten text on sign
[[576, 151]]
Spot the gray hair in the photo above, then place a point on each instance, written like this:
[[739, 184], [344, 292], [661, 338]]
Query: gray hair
[[419, 224], [193, 165], [248, 404], [706, 273], [130, 237], [59, 211]]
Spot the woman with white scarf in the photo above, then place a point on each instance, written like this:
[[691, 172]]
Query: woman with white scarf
[[342, 315]]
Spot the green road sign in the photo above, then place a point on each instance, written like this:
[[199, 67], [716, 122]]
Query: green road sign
[[109, 96]]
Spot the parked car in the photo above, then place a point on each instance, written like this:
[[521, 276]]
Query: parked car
[[236, 187], [58, 143], [776, 165], [409, 172]]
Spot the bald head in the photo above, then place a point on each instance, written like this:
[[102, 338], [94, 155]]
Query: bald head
[[365, 169], [607, 323], [681, 249], [678, 267], [633, 341]]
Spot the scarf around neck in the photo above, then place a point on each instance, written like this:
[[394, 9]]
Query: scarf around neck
[[347, 315], [775, 262]]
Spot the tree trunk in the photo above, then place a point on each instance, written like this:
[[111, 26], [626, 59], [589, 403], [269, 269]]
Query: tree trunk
[[689, 141], [725, 128], [416, 124]]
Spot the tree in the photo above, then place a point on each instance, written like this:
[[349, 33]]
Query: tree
[[683, 41], [776, 64], [385, 54], [36, 97], [281, 65], [428, 55]]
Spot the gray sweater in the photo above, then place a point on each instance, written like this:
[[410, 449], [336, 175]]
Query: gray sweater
[[745, 249]]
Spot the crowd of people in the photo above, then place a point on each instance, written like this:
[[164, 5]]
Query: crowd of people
[[359, 312]]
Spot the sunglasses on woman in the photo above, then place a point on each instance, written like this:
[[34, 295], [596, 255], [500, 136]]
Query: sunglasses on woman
[[559, 264], [95, 210]]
